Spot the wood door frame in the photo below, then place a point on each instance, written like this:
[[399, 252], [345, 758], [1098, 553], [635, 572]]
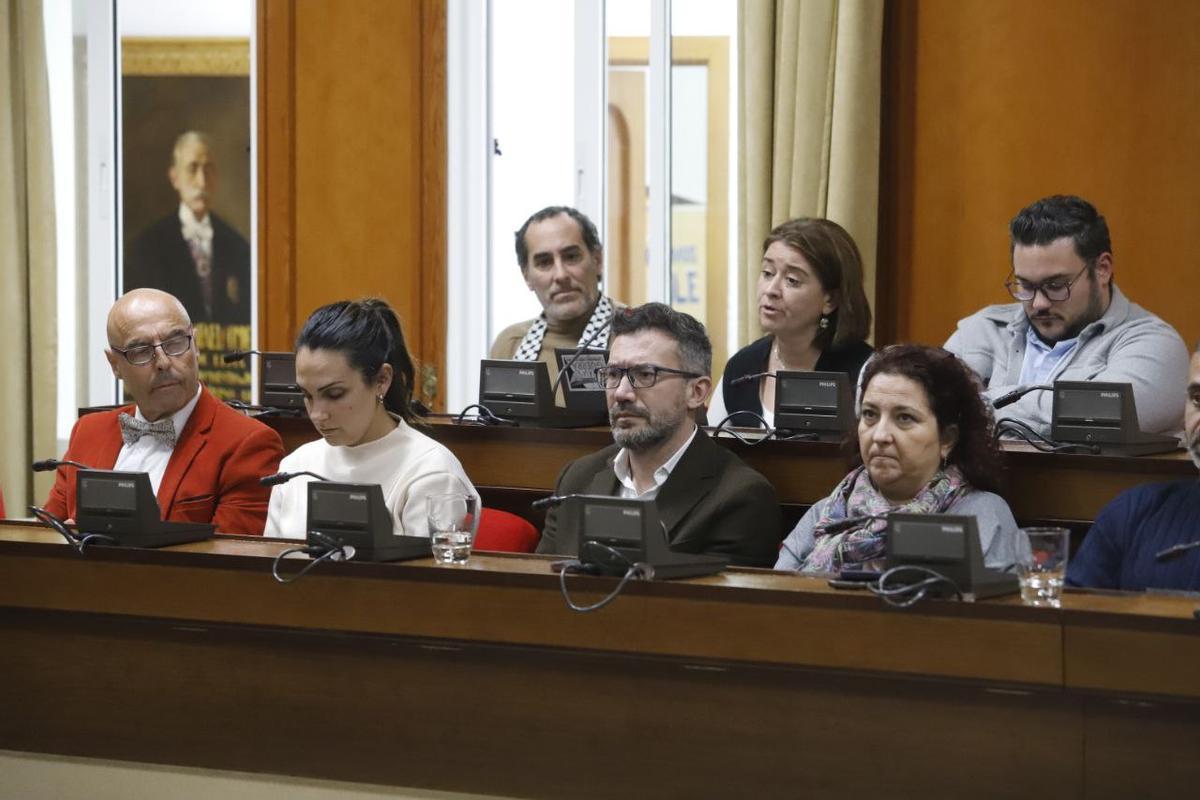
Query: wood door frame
[[278, 317], [711, 52]]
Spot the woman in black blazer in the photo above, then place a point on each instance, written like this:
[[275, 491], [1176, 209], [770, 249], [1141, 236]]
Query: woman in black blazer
[[813, 309]]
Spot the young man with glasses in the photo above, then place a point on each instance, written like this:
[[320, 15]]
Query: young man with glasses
[[204, 459], [1071, 322], [658, 375]]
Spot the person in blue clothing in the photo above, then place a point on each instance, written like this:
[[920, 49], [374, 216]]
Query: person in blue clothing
[[1130, 544]]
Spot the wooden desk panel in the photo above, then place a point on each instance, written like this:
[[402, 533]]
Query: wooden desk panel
[[1042, 486], [477, 679]]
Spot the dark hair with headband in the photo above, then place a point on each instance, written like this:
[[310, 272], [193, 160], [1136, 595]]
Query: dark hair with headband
[[368, 333]]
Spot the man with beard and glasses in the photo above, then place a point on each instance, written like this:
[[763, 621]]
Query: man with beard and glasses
[[1072, 322], [204, 459], [658, 375], [1139, 539]]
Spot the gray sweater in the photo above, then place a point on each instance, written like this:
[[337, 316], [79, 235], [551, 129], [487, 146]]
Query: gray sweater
[[1126, 345], [999, 537]]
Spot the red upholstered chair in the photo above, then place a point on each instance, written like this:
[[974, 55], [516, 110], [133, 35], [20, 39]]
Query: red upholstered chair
[[505, 532], [2, 503]]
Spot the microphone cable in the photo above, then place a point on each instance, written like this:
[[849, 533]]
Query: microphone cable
[[772, 433], [904, 594], [78, 543], [1024, 432], [720, 428], [577, 567], [329, 549], [483, 416]]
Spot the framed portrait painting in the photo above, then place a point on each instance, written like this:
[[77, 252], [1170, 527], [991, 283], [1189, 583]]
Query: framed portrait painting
[[186, 211]]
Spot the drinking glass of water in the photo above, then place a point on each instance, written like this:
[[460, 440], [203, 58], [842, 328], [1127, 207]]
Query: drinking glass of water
[[1042, 568], [452, 526]]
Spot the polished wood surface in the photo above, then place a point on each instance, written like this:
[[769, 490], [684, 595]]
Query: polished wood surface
[[1041, 486], [478, 678], [986, 111]]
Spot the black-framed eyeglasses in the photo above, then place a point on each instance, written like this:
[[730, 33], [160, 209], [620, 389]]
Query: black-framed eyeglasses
[[143, 354], [641, 376], [1054, 291]]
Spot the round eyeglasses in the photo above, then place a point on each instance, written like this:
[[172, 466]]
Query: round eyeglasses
[[1055, 291]]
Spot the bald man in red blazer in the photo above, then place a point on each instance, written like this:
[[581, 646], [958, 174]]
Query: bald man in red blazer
[[211, 473]]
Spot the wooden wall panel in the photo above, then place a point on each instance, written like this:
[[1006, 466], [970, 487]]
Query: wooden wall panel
[[991, 105], [353, 163]]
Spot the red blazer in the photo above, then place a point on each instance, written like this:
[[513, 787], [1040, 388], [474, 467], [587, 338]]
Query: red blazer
[[212, 475]]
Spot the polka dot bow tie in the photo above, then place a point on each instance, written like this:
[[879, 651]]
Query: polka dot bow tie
[[133, 429]]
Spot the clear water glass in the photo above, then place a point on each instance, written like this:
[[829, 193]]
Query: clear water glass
[[1042, 568], [452, 526]]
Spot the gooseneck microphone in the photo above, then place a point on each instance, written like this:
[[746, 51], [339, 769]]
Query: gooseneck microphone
[[239, 355], [47, 464], [571, 361], [1008, 398], [284, 477], [744, 378], [553, 501], [1175, 551]]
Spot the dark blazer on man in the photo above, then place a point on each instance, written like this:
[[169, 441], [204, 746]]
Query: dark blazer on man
[[212, 475], [712, 502], [160, 259]]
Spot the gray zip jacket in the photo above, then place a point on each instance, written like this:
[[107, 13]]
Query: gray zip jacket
[[1126, 345]]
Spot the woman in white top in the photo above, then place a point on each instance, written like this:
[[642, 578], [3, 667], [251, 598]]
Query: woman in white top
[[357, 378]]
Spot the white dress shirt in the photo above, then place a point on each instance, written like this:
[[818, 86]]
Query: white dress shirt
[[195, 230], [149, 454], [629, 489]]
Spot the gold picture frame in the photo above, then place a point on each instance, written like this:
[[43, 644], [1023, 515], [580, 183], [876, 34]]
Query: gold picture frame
[[146, 56]]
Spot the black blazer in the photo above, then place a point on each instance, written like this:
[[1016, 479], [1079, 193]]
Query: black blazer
[[712, 502], [159, 258], [848, 357]]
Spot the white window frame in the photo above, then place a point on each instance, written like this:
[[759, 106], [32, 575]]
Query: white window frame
[[469, 154]]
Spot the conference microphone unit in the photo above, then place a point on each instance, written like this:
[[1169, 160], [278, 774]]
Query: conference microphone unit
[[1008, 398], [283, 477], [583, 348], [47, 464]]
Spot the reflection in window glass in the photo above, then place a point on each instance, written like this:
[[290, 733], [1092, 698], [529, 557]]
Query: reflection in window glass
[[186, 139], [703, 166], [532, 107]]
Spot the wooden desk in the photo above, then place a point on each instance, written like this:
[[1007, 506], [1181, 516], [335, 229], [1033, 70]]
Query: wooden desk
[[1042, 486], [479, 679]]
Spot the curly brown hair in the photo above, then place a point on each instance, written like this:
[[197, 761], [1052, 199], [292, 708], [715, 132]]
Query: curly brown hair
[[956, 397]]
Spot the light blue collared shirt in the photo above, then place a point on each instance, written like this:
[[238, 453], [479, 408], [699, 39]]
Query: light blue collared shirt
[[1042, 361]]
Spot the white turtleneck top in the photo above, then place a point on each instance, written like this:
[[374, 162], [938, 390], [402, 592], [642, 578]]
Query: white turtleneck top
[[409, 466]]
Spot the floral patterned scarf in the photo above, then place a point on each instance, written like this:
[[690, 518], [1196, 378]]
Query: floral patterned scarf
[[863, 545]]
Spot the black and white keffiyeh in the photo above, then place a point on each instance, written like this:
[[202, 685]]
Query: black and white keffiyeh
[[531, 345]]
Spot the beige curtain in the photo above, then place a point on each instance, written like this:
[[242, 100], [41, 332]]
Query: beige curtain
[[28, 343], [809, 73]]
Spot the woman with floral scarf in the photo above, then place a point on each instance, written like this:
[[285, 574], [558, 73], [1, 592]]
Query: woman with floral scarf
[[926, 446]]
